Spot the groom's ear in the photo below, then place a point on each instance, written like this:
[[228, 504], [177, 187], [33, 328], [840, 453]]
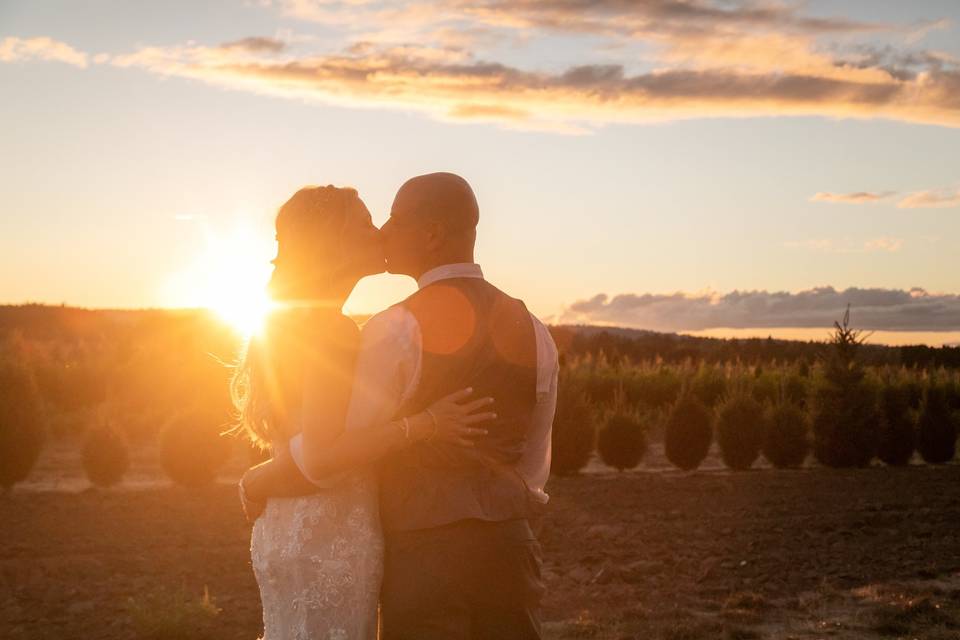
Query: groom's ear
[[435, 234]]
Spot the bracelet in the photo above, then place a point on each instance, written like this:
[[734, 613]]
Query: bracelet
[[436, 425]]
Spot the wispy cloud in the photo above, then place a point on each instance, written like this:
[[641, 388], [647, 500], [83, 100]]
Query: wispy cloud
[[13, 49], [938, 199], [930, 199], [858, 197], [890, 245], [879, 309], [256, 44], [829, 245]]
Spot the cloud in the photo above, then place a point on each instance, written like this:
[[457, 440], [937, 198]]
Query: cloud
[[871, 309], [859, 197], [939, 199], [450, 83], [256, 44], [890, 245], [13, 49], [643, 17], [935, 198], [640, 61], [828, 245]]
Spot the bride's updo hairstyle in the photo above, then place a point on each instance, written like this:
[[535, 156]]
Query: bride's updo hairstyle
[[324, 238]]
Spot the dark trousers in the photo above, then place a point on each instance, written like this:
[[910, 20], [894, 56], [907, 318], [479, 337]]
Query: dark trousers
[[471, 580]]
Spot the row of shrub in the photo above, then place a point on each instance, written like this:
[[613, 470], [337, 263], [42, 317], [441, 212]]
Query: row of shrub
[[654, 385], [191, 449], [783, 432], [847, 414]]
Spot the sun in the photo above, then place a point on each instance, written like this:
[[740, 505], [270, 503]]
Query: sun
[[229, 277]]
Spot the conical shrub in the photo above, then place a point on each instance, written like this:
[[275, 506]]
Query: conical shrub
[[914, 387], [740, 430], [105, 456], [793, 388], [574, 432], [622, 442], [766, 386], [21, 424], [786, 442], [688, 433], [192, 449], [936, 428], [708, 385], [897, 425]]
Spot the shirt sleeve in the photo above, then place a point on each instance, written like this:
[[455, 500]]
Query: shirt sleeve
[[387, 371], [534, 465]]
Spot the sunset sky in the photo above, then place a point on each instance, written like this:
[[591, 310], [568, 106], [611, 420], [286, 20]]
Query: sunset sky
[[687, 165]]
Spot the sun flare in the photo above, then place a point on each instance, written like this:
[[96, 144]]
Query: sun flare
[[229, 277]]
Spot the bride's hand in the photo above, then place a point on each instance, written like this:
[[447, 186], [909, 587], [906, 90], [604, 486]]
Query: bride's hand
[[451, 420]]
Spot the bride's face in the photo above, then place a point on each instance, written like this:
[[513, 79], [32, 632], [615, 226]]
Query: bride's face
[[304, 270], [362, 248]]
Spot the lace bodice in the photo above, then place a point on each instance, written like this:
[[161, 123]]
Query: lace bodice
[[319, 561]]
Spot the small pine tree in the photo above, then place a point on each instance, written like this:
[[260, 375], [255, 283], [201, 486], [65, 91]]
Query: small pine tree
[[936, 429], [786, 443], [105, 456], [192, 449], [897, 432], [21, 424], [688, 433], [844, 415], [740, 430], [574, 433], [622, 442]]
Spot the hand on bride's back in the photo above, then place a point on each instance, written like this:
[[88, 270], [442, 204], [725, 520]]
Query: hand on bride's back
[[453, 419]]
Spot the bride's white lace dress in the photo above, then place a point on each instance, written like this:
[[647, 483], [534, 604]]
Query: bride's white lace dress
[[319, 562]]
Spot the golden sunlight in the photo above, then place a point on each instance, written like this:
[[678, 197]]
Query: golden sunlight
[[230, 277]]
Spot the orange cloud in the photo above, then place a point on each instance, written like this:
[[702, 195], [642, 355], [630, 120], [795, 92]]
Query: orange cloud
[[14, 49], [940, 199], [828, 245], [859, 197]]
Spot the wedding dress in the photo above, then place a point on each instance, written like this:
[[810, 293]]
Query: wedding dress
[[319, 562]]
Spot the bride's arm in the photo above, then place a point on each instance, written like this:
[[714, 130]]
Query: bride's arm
[[328, 448], [326, 456]]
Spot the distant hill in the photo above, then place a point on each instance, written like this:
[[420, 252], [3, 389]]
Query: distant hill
[[641, 344], [48, 322]]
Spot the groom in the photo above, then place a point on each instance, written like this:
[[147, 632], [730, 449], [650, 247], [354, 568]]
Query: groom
[[461, 559]]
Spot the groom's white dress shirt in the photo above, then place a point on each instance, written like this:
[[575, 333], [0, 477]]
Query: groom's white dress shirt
[[388, 372]]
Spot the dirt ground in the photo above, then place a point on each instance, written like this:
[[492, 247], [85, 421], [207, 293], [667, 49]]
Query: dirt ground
[[813, 553]]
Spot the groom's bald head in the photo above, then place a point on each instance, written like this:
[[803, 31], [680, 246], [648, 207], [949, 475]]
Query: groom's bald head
[[433, 221], [443, 197]]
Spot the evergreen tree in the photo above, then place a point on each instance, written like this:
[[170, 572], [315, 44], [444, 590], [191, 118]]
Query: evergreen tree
[[844, 412]]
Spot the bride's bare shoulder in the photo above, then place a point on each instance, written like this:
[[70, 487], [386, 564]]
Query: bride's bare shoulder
[[343, 331]]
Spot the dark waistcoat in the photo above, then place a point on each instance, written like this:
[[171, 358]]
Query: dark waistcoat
[[474, 335]]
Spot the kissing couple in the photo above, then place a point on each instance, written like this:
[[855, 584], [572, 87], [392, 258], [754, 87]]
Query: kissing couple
[[409, 457]]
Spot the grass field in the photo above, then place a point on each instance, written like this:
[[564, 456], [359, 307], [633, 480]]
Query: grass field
[[813, 553]]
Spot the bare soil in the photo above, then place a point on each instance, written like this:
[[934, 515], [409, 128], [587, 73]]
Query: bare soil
[[812, 553]]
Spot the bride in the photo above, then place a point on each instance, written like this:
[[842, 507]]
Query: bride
[[318, 552]]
